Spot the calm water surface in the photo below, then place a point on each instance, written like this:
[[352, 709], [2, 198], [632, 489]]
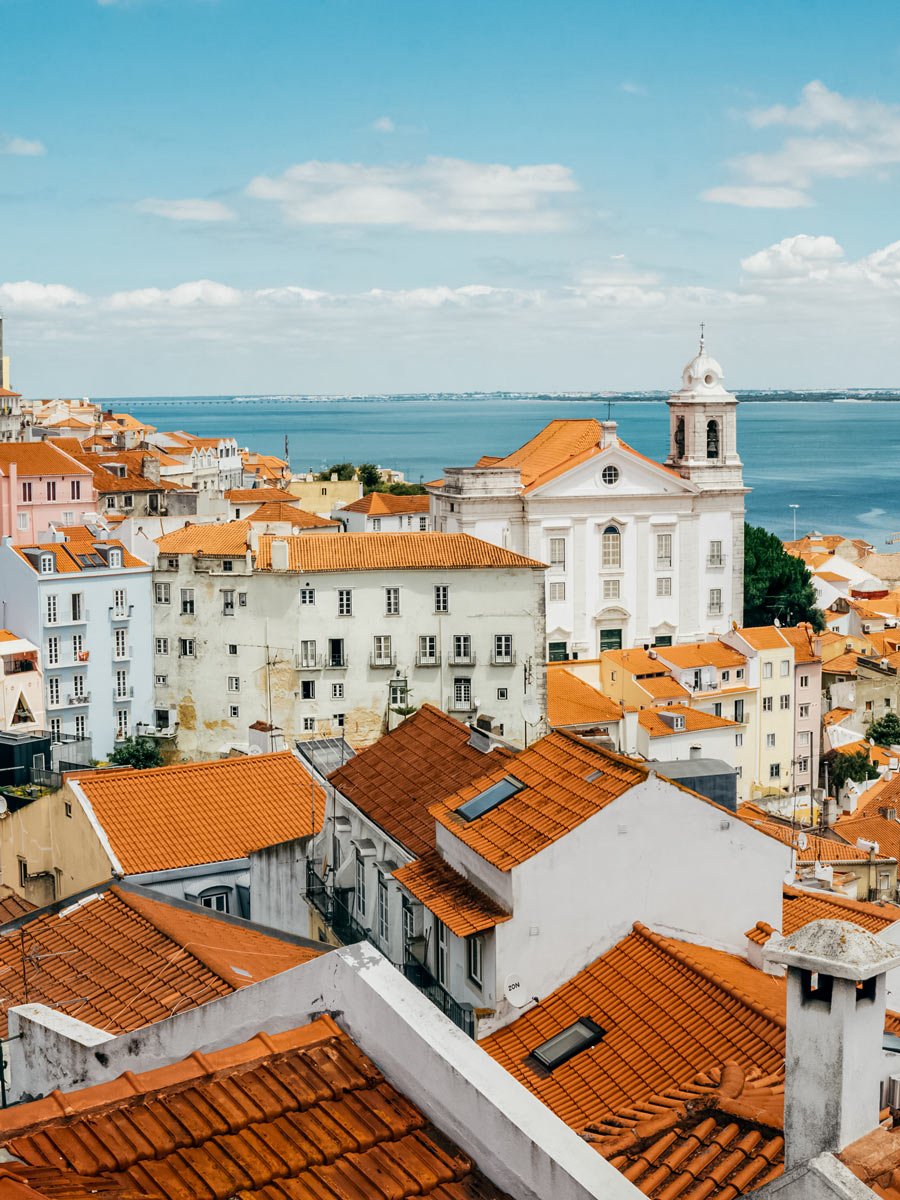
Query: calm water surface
[[838, 462]]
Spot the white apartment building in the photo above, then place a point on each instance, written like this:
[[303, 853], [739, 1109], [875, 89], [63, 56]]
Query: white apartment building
[[330, 635], [86, 604], [383, 512], [639, 551]]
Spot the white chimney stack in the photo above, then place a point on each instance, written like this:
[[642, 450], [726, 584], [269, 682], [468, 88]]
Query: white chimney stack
[[279, 550], [835, 1027]]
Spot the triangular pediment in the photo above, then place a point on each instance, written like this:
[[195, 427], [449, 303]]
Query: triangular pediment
[[635, 476], [23, 714]]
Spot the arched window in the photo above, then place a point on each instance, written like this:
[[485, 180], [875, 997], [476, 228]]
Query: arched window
[[679, 438], [712, 439], [611, 547]]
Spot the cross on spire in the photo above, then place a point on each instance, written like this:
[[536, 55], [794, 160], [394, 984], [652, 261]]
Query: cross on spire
[[702, 332]]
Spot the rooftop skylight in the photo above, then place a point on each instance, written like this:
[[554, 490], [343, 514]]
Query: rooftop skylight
[[490, 798], [580, 1035]]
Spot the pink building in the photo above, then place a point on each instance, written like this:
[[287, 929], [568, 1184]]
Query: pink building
[[40, 485]]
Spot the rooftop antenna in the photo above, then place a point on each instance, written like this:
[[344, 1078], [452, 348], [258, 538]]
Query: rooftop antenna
[[609, 408]]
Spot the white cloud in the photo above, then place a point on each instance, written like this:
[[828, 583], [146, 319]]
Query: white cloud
[[757, 197], [39, 297], [187, 210], [384, 125], [840, 138], [793, 257], [201, 293], [21, 146], [634, 89], [443, 194]]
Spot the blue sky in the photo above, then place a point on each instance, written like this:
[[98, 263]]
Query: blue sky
[[202, 196]]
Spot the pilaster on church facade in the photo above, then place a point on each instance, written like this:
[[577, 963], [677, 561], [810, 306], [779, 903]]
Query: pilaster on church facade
[[638, 552]]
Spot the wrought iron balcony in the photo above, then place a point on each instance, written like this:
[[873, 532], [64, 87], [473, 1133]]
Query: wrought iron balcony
[[382, 660], [462, 1015], [336, 905], [428, 660]]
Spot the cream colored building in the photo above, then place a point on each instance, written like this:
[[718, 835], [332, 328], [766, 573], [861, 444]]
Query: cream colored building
[[21, 685], [321, 496]]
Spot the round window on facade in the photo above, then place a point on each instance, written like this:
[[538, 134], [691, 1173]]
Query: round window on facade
[[610, 475], [708, 380]]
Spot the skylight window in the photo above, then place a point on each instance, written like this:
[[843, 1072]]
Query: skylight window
[[580, 1035], [490, 798]]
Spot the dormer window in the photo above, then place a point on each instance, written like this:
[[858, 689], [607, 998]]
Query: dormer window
[[48, 564], [115, 557], [678, 722]]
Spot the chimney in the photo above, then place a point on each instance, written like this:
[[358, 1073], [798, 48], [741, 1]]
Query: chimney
[[696, 751], [279, 551], [150, 467], [608, 434], [833, 1058]]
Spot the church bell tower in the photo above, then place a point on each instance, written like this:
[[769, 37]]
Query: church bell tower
[[703, 427]]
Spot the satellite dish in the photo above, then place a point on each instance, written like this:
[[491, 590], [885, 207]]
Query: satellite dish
[[802, 841], [530, 710], [515, 992]]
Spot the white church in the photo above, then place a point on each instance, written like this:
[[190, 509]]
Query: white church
[[640, 553]]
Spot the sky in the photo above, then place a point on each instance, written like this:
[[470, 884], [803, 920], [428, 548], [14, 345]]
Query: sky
[[367, 196]]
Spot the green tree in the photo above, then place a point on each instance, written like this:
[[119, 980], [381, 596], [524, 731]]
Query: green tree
[[139, 752], [886, 732], [344, 471], [776, 584], [369, 476], [850, 766]]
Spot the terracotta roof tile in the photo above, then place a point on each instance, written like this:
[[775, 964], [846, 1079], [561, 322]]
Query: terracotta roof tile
[[841, 664], [652, 720], [763, 637], [38, 458], [463, 907], [229, 539], [573, 701], [816, 849], [261, 495], [66, 553], [836, 715], [873, 828], [395, 780], [392, 551], [558, 796], [386, 504], [760, 933], [719, 1136], [670, 1010], [702, 654], [298, 518], [799, 907], [662, 687], [303, 1114], [18, 1181], [13, 905], [201, 812], [120, 959]]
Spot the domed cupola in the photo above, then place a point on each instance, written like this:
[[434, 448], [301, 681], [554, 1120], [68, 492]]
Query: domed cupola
[[703, 426]]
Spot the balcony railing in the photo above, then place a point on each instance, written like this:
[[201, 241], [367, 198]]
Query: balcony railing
[[460, 704], [428, 660], [715, 560], [463, 660], [121, 612], [142, 729], [382, 660], [336, 905], [125, 693], [308, 662], [336, 662], [79, 698], [462, 1015], [714, 610], [503, 660]]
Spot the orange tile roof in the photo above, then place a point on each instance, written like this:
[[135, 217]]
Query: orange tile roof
[[557, 798], [763, 637], [841, 664], [106, 481], [303, 1114], [8, 393], [18, 1181], [663, 687], [799, 907], [694, 721], [65, 553], [298, 518], [143, 955], [573, 701], [464, 908], [670, 1010], [701, 654], [38, 458], [69, 445], [201, 812], [67, 423], [717, 1137], [836, 715], [831, 577], [802, 637], [760, 933], [636, 661], [874, 828], [13, 905], [395, 780], [264, 495], [228, 539], [392, 551], [817, 849], [386, 503]]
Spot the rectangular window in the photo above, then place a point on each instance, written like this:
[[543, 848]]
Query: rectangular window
[[462, 647], [774, 770], [345, 602], [441, 952], [162, 680], [128, 501], [110, 502], [804, 712], [307, 689], [611, 589], [558, 591], [715, 554], [227, 602], [77, 606], [309, 724], [232, 648], [664, 585], [503, 648], [557, 552], [767, 669], [227, 564], [307, 654], [163, 593], [475, 959], [785, 667], [75, 489], [717, 709], [338, 719], [802, 765], [120, 601], [22, 521], [336, 657], [52, 651], [187, 601], [611, 548], [726, 675], [382, 908], [53, 690], [739, 673], [770, 741], [427, 650], [51, 489], [739, 711], [121, 644], [715, 601], [399, 695], [663, 551], [381, 650], [337, 691], [26, 493], [392, 601], [162, 645], [804, 738], [462, 693], [52, 609], [423, 523], [242, 599], [121, 684], [784, 702], [307, 595], [80, 726], [78, 654], [376, 524], [610, 639], [502, 693], [122, 723], [441, 598], [234, 711], [767, 704], [739, 739], [804, 681], [186, 647], [360, 887], [55, 728]]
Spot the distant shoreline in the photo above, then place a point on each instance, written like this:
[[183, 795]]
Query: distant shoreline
[[845, 396]]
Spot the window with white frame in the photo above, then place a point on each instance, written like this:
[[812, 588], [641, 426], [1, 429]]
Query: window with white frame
[[785, 667], [767, 669], [121, 684], [186, 647], [804, 681], [55, 729], [803, 712], [309, 724], [77, 601], [360, 887], [441, 598], [774, 770], [611, 548], [120, 601], [227, 602], [345, 602], [804, 738], [739, 673], [427, 649], [337, 691], [767, 705], [715, 601], [462, 693], [234, 683], [663, 551], [338, 719], [383, 909], [739, 739], [376, 524], [503, 648], [392, 601], [307, 653], [162, 680], [115, 557], [475, 959], [612, 589], [503, 693], [770, 741], [187, 601], [399, 695], [234, 711], [53, 690], [784, 701], [441, 952], [715, 554], [123, 723], [307, 595], [557, 591], [48, 564], [307, 689], [802, 765], [22, 521], [120, 643], [557, 552], [80, 726], [52, 651], [162, 645], [462, 647], [163, 593], [423, 524], [381, 649], [52, 609], [664, 585]]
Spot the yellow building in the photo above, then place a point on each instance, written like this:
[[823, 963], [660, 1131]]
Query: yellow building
[[321, 496]]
